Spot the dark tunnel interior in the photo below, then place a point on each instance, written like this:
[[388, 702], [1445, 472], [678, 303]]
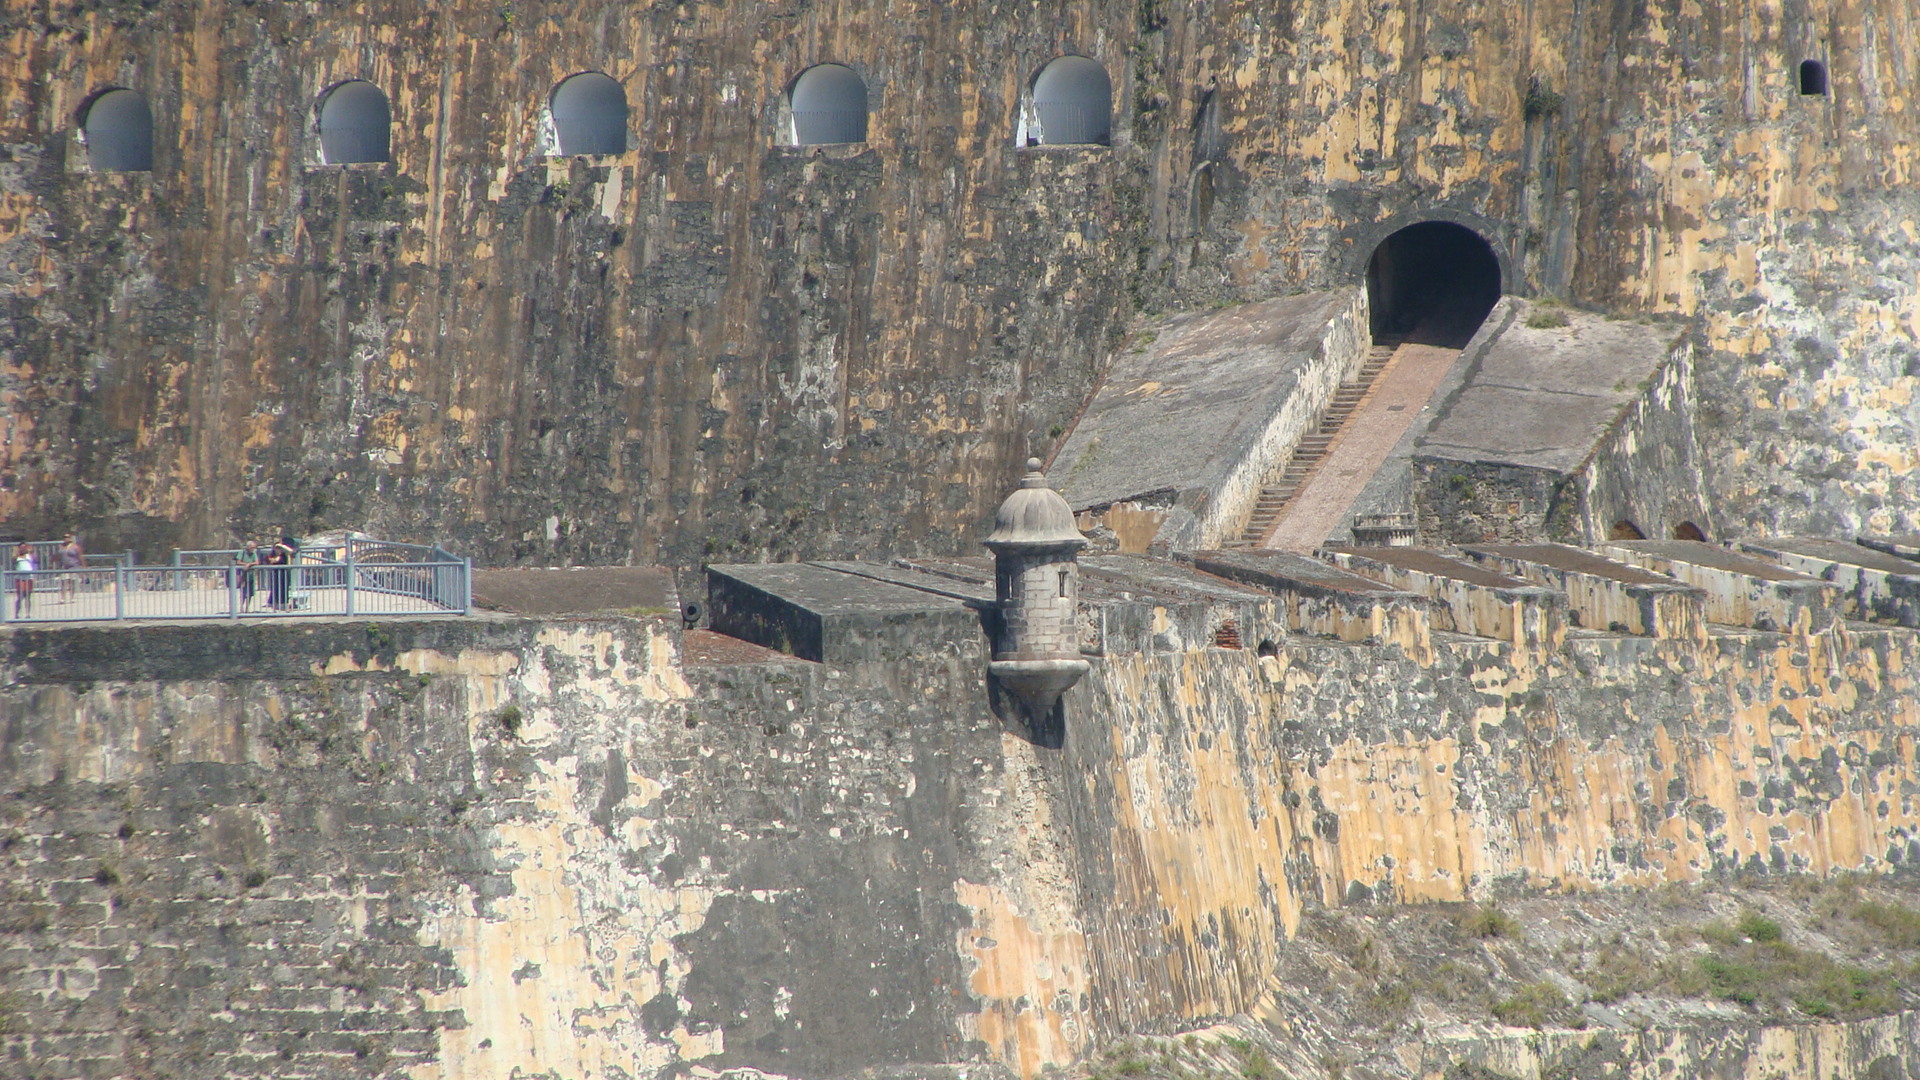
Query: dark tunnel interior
[[1432, 284]]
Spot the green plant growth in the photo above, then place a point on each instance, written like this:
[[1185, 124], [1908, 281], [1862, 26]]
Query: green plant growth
[[1534, 1005], [509, 720], [1546, 318], [1489, 922], [1753, 964]]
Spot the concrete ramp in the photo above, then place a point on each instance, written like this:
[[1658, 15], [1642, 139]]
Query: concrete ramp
[[1553, 424], [1173, 449]]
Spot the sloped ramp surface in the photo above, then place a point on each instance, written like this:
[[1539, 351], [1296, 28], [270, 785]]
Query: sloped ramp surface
[[1194, 421]]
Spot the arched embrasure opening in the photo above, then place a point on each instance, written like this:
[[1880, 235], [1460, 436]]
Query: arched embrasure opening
[[1625, 530], [355, 124], [1687, 530], [829, 106], [1813, 78], [590, 115], [1432, 284], [1072, 105], [119, 128]]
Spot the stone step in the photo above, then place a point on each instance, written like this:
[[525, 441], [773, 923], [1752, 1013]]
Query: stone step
[[1307, 456]]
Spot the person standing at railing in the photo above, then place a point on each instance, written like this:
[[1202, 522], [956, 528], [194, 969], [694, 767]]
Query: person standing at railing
[[248, 567], [275, 561], [73, 559], [23, 580]]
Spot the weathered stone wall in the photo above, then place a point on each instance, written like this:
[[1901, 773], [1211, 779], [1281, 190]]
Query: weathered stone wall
[[710, 345], [462, 848]]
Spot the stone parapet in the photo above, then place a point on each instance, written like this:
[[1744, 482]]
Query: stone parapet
[[1740, 590], [1603, 594], [1470, 599], [1874, 584]]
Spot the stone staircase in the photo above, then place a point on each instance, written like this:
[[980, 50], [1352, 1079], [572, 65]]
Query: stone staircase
[[1307, 456]]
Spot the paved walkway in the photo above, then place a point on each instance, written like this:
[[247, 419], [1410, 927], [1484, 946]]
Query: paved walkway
[[1399, 392]]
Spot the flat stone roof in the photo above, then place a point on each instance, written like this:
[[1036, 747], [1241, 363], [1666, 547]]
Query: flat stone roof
[[576, 590], [1544, 397], [1838, 551], [1700, 553], [1577, 561], [1905, 545], [1282, 569], [826, 591], [1177, 414], [1127, 577], [1420, 560]]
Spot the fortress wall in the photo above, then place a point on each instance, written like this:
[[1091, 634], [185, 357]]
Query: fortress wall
[[461, 848], [712, 347], [474, 850], [1214, 793]]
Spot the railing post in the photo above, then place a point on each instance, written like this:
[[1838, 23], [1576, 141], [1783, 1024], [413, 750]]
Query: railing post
[[119, 593], [466, 587], [350, 577], [233, 592]]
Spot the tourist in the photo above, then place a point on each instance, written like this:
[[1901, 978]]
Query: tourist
[[248, 562], [23, 579], [274, 559], [73, 559]]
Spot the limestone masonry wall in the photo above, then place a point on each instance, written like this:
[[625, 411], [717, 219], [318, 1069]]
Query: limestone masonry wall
[[463, 849], [714, 346]]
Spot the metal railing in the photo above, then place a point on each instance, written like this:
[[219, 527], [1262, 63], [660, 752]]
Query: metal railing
[[189, 589]]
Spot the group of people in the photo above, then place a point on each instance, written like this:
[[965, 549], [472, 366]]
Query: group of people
[[274, 563], [271, 566], [68, 556]]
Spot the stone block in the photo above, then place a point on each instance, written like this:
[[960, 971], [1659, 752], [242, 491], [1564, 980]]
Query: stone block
[[1603, 594], [1741, 590], [831, 616], [1875, 584], [1322, 600], [1470, 599]]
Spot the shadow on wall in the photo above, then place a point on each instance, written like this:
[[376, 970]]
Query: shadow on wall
[[1432, 284]]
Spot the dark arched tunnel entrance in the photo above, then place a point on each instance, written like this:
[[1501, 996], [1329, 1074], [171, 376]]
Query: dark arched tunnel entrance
[[1431, 284]]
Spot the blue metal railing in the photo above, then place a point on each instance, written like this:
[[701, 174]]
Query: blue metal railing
[[373, 578]]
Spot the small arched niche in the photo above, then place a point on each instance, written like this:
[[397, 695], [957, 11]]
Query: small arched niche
[[1625, 530], [1687, 530], [1072, 105], [1813, 78], [1432, 283], [118, 127], [827, 105], [355, 124], [589, 115]]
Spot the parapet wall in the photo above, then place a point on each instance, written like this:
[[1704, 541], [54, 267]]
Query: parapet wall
[[468, 847]]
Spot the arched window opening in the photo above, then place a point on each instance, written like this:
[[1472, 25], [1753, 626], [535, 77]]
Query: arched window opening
[[828, 104], [1432, 284], [590, 115], [355, 124], [1687, 530], [1813, 78], [1072, 105], [1625, 530], [119, 132]]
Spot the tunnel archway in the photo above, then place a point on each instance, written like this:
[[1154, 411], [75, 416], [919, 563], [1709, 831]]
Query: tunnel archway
[[1432, 283]]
